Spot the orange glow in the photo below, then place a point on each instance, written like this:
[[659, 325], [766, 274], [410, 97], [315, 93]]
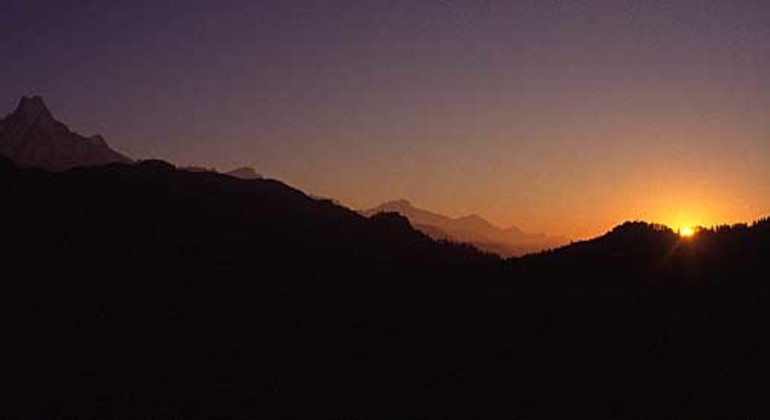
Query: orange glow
[[686, 232]]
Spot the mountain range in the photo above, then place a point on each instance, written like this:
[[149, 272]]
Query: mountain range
[[32, 138], [135, 290], [144, 288], [472, 229]]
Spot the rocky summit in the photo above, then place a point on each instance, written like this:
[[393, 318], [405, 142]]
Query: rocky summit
[[32, 138]]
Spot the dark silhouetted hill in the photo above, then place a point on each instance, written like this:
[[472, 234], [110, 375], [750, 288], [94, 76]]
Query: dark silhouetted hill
[[153, 213], [149, 291], [472, 229], [32, 138], [146, 290], [639, 254]]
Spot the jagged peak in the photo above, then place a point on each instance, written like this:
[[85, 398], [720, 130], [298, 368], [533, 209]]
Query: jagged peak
[[32, 137], [33, 108]]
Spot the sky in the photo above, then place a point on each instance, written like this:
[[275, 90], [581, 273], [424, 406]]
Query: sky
[[564, 117]]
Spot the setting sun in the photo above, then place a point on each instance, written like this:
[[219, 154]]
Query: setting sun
[[686, 232]]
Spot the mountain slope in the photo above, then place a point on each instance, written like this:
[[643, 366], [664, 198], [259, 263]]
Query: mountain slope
[[135, 289], [472, 229], [32, 137], [208, 220], [726, 261]]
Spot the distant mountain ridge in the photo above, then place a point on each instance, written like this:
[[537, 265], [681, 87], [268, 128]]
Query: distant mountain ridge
[[472, 229], [244, 172], [32, 138]]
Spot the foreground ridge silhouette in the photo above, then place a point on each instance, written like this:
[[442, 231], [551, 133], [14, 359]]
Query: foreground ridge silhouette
[[145, 290]]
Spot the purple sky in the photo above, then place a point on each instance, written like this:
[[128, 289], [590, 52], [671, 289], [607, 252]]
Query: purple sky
[[559, 116]]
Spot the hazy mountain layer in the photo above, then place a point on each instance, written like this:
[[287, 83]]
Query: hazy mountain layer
[[472, 229]]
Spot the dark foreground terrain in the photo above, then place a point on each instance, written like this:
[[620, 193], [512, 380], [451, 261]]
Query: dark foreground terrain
[[146, 291]]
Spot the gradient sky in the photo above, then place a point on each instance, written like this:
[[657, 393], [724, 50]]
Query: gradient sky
[[565, 117]]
